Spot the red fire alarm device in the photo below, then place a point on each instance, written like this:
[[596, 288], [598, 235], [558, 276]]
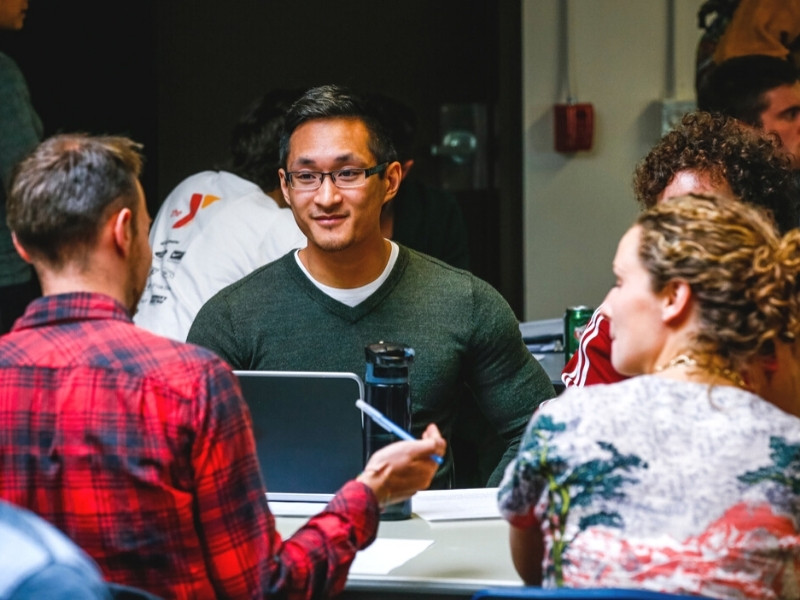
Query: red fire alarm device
[[574, 127]]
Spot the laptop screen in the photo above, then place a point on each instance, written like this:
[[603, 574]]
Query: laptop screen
[[307, 430]]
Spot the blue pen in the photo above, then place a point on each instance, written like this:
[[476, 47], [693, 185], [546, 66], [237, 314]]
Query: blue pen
[[390, 425]]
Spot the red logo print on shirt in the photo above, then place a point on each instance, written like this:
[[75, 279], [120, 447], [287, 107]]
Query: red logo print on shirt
[[197, 202]]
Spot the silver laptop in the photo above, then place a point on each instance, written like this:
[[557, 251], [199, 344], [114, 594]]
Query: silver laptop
[[307, 430]]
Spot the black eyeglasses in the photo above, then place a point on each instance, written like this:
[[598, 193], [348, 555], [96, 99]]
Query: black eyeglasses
[[341, 178]]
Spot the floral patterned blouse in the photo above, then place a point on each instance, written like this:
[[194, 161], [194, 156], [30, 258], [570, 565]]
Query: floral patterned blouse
[[663, 485]]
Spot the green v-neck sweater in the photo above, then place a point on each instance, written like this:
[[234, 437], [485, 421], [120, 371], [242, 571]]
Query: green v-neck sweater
[[461, 328]]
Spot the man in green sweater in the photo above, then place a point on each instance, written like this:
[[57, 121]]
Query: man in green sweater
[[316, 309]]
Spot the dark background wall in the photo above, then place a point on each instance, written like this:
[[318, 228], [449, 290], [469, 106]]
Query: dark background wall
[[426, 53], [175, 75], [90, 66]]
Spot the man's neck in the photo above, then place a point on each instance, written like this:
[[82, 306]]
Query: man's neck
[[347, 269], [70, 281], [387, 220]]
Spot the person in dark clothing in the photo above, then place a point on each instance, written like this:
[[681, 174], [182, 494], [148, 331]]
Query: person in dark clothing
[[420, 217]]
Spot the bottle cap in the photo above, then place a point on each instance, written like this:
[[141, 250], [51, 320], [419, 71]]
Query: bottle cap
[[388, 362]]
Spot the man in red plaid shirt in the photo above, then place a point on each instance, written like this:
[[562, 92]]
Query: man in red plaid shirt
[[140, 448]]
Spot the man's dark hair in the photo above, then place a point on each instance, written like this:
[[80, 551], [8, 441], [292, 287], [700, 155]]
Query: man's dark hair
[[255, 139], [736, 87], [333, 101], [725, 150], [61, 193]]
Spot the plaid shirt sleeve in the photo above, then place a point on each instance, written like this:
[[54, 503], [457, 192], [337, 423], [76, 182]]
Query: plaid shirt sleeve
[[245, 554]]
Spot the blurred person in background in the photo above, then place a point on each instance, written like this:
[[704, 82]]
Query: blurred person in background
[[20, 131]]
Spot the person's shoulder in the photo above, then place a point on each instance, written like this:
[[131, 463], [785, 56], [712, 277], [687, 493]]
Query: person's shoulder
[[172, 351], [628, 395], [9, 70], [178, 201], [196, 180], [265, 279], [177, 364], [438, 267], [6, 62], [209, 186], [451, 281], [267, 274], [442, 278], [580, 398], [43, 556]]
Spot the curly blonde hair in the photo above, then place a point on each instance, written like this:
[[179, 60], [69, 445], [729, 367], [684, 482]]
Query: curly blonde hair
[[742, 274]]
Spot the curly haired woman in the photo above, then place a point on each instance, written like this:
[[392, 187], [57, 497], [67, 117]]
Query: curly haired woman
[[682, 479]]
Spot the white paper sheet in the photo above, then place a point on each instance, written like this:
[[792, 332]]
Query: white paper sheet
[[431, 505], [295, 509], [450, 505], [385, 554]]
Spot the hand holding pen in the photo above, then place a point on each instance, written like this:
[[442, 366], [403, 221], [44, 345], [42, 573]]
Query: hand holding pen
[[397, 471], [390, 426]]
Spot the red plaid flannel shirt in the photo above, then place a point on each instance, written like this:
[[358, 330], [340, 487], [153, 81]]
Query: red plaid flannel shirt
[[141, 450]]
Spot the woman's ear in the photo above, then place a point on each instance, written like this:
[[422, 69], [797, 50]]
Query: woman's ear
[[677, 301]]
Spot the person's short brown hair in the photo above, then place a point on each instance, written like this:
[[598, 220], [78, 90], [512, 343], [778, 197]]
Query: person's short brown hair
[[737, 87], [60, 193]]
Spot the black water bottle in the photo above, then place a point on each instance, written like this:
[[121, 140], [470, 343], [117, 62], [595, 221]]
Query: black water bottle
[[386, 389]]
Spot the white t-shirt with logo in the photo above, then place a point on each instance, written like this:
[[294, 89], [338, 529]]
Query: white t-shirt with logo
[[212, 230]]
